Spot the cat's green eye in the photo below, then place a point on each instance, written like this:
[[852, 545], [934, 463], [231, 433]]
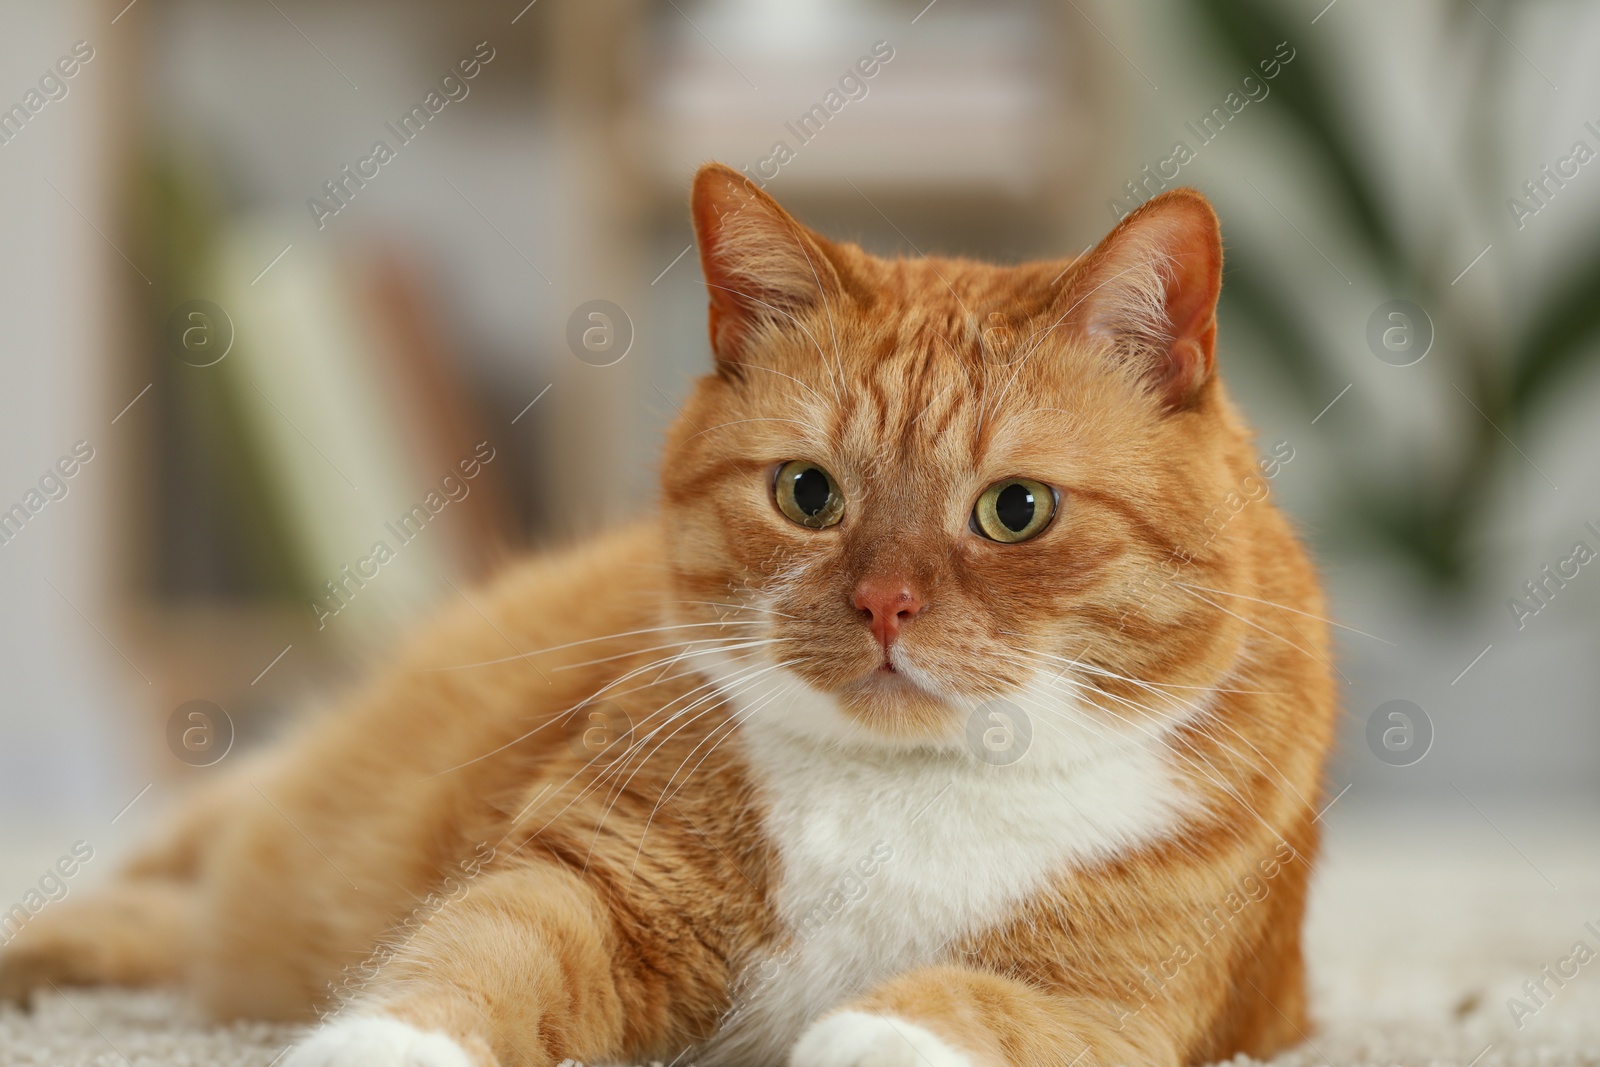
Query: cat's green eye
[[807, 494], [1014, 510]]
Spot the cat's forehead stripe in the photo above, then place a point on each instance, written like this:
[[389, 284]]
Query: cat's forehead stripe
[[911, 388]]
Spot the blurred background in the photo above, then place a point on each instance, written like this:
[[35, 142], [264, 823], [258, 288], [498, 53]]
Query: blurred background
[[278, 344]]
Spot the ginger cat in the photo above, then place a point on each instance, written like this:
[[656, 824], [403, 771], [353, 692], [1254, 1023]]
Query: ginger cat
[[933, 720]]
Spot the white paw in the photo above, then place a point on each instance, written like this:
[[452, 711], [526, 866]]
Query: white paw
[[377, 1042], [856, 1039]]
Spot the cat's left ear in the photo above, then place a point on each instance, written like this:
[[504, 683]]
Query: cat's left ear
[[1150, 290], [761, 266]]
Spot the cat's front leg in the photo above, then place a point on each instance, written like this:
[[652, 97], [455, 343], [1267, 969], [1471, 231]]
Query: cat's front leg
[[954, 1017], [524, 969]]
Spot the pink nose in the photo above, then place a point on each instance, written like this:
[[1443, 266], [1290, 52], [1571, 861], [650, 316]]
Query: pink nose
[[890, 603]]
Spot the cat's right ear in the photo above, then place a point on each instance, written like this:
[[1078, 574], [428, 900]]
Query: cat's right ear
[[761, 266]]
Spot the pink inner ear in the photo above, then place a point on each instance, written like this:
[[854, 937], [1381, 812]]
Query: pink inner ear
[[1177, 234], [757, 260], [1191, 309], [1192, 292]]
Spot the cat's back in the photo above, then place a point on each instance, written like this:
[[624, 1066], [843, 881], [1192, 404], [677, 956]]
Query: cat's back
[[502, 658]]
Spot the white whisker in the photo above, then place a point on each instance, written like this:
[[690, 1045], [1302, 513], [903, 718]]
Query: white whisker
[[1282, 607], [1247, 622], [590, 641], [1167, 741], [569, 712], [744, 643], [738, 607]]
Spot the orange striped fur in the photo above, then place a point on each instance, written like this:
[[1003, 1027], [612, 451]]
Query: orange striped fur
[[695, 788]]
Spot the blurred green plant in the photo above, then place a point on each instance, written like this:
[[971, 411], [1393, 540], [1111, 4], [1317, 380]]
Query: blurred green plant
[[1513, 363], [222, 528]]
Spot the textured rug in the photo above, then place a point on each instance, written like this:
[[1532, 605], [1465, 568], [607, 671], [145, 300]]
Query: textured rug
[[1423, 931]]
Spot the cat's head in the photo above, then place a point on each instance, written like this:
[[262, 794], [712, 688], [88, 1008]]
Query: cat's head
[[916, 485]]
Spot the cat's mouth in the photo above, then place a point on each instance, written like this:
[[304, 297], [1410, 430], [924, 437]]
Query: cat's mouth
[[903, 690], [894, 674], [888, 667], [896, 699]]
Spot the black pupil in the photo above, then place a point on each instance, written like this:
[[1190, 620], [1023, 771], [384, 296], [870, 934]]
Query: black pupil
[[1014, 507], [811, 491]]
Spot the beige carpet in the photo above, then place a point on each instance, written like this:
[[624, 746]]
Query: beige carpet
[[1422, 927]]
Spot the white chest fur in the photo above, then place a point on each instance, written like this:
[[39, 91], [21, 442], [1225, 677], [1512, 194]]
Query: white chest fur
[[888, 855]]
